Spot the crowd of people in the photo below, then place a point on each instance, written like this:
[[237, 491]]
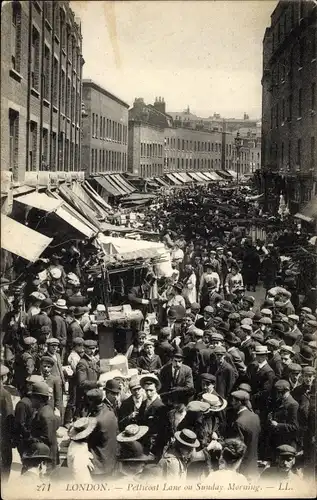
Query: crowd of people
[[223, 383]]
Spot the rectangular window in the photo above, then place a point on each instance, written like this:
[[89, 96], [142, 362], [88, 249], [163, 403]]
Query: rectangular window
[[56, 19], [312, 152], [302, 52], [63, 90], [96, 126], [104, 129], [55, 80], [300, 99], [100, 159], [92, 160], [44, 163], [62, 29], [13, 140], [66, 164], [101, 133], [68, 99], [16, 36], [53, 152], [48, 11], [313, 96], [47, 73], [33, 144], [35, 59], [299, 151]]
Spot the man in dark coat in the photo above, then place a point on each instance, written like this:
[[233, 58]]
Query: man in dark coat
[[59, 327], [130, 407], [149, 362], [7, 421], [87, 375], [153, 413], [225, 374], [283, 420], [102, 442], [44, 423], [24, 365], [246, 426], [274, 359], [261, 378], [52, 352], [164, 348], [42, 319], [176, 375], [74, 329], [54, 383]]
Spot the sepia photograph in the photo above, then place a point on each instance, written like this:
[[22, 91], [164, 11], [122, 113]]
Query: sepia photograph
[[158, 249]]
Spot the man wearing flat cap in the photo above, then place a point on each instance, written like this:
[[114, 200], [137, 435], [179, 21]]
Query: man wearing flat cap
[[54, 383], [274, 358], [245, 426], [24, 365], [42, 319], [261, 379], [87, 375], [176, 375], [102, 442], [224, 372], [283, 419], [53, 346]]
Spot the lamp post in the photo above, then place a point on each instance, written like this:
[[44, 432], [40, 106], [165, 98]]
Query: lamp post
[[238, 144]]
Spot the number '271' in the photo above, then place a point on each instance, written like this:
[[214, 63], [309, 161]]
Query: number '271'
[[43, 487]]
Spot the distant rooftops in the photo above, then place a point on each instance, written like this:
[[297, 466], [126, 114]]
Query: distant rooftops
[[90, 83]]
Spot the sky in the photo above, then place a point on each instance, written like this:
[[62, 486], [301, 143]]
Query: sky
[[203, 54]]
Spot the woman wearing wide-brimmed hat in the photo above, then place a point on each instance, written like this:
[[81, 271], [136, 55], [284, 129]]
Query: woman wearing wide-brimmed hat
[[175, 460], [79, 458]]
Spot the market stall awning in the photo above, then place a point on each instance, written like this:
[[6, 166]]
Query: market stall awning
[[21, 240], [212, 176], [79, 191], [195, 176], [130, 249], [129, 188], [115, 183], [204, 176], [96, 197], [232, 173], [67, 213], [79, 205], [179, 176], [174, 179], [107, 186], [161, 181], [40, 201], [201, 176], [224, 174]]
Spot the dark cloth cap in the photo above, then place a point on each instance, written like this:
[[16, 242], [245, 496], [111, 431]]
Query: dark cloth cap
[[208, 377], [95, 395], [308, 370], [241, 395], [282, 385], [226, 306], [273, 343], [245, 387], [78, 341], [294, 367], [178, 353], [52, 341], [48, 360], [46, 303], [90, 343], [287, 450], [234, 315], [113, 386]]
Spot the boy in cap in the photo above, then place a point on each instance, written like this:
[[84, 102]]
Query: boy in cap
[[54, 383], [87, 375], [149, 362], [129, 409], [24, 365]]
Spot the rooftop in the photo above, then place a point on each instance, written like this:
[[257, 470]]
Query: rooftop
[[98, 88]]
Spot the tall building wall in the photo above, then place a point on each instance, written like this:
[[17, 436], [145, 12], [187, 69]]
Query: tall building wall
[[41, 74]]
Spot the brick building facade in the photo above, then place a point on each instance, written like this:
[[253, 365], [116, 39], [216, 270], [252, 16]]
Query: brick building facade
[[289, 104], [146, 149], [41, 76], [105, 130]]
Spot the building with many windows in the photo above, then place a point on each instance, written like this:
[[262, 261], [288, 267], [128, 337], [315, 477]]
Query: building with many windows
[[289, 104], [41, 75], [105, 130]]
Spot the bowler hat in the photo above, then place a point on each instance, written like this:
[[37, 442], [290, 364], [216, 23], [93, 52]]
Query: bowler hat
[[37, 450], [113, 386], [306, 310]]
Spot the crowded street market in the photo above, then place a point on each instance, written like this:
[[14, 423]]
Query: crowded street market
[[178, 340]]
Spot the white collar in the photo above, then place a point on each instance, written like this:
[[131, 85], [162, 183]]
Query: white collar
[[260, 365]]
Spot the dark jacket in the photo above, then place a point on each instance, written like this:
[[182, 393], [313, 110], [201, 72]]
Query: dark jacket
[[225, 379], [57, 369], [22, 422], [36, 322], [87, 374], [237, 358], [24, 367], [102, 442], [276, 364], [125, 411], [184, 380], [154, 416], [164, 350], [246, 426], [43, 429], [59, 328], [286, 415], [6, 422], [261, 381], [151, 365], [56, 399], [74, 330]]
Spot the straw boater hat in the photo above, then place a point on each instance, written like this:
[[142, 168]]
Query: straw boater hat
[[82, 428], [132, 432], [187, 437], [216, 403], [60, 304]]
